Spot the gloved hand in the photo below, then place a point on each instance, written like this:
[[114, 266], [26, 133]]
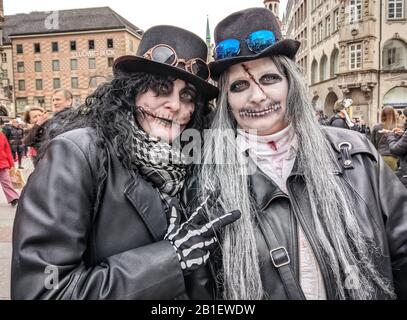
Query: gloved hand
[[194, 239]]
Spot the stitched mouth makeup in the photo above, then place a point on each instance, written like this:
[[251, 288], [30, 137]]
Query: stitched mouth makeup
[[257, 113], [167, 122]]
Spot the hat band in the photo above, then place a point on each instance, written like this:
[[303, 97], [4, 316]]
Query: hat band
[[256, 42], [163, 53]]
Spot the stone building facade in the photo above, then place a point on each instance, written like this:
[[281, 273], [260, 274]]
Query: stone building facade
[[353, 49], [72, 49]]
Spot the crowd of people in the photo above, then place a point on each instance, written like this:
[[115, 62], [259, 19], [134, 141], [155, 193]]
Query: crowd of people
[[278, 207], [23, 137], [388, 136]]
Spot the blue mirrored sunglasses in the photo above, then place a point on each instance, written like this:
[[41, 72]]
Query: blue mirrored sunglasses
[[256, 42]]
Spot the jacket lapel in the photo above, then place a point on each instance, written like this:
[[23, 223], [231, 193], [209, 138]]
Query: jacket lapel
[[148, 204], [262, 188]]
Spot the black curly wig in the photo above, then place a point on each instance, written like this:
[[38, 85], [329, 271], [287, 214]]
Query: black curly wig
[[112, 104]]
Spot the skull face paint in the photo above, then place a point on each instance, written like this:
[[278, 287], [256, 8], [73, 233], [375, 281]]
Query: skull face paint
[[257, 95]]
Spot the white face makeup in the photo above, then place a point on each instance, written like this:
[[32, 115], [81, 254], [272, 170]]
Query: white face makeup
[[169, 112], [257, 95]]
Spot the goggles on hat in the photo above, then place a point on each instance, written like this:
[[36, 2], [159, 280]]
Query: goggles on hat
[[256, 41], [165, 54]]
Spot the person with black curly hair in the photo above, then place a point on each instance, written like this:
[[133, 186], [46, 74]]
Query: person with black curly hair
[[100, 216]]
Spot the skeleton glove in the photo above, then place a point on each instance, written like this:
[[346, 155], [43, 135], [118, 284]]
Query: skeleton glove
[[194, 239]]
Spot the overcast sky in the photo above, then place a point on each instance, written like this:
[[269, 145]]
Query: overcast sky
[[188, 14]]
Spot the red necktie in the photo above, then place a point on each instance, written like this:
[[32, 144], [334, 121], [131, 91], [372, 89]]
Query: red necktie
[[272, 145]]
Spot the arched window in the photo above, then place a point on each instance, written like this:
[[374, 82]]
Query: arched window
[[395, 55], [323, 69], [396, 97], [334, 62], [314, 72]]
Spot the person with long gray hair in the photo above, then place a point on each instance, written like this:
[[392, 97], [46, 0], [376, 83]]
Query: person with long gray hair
[[322, 216]]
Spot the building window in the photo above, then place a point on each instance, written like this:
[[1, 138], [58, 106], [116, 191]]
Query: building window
[[37, 48], [38, 84], [131, 46], [395, 55], [39, 101], [74, 83], [314, 36], [323, 68], [355, 56], [91, 44], [20, 49], [37, 66], [92, 82], [4, 57], [334, 62], [92, 63], [395, 9], [73, 45], [110, 43], [56, 83], [4, 74], [21, 85], [55, 65], [55, 47], [391, 56], [21, 103], [355, 12], [327, 26], [74, 64], [314, 72], [336, 20], [320, 31], [110, 61], [20, 67]]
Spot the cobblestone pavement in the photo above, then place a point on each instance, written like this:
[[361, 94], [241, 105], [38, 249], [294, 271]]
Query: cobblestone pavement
[[7, 213]]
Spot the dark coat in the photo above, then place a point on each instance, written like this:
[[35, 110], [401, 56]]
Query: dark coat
[[398, 147], [379, 140], [107, 249], [380, 205], [338, 122]]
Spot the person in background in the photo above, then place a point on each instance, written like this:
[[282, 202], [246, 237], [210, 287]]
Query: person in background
[[322, 117], [46, 124], [387, 123], [16, 141], [35, 117], [397, 141], [341, 118], [61, 100], [6, 163]]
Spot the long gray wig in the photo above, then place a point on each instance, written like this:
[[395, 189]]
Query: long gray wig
[[337, 230]]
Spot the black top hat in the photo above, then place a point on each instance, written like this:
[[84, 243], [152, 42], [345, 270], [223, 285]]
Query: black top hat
[[187, 46], [239, 26]]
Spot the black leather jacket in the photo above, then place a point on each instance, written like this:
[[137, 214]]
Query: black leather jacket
[[380, 204], [398, 147], [107, 248]]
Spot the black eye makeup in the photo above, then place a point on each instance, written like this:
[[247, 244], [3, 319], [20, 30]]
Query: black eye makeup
[[239, 85], [188, 95], [270, 78]]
